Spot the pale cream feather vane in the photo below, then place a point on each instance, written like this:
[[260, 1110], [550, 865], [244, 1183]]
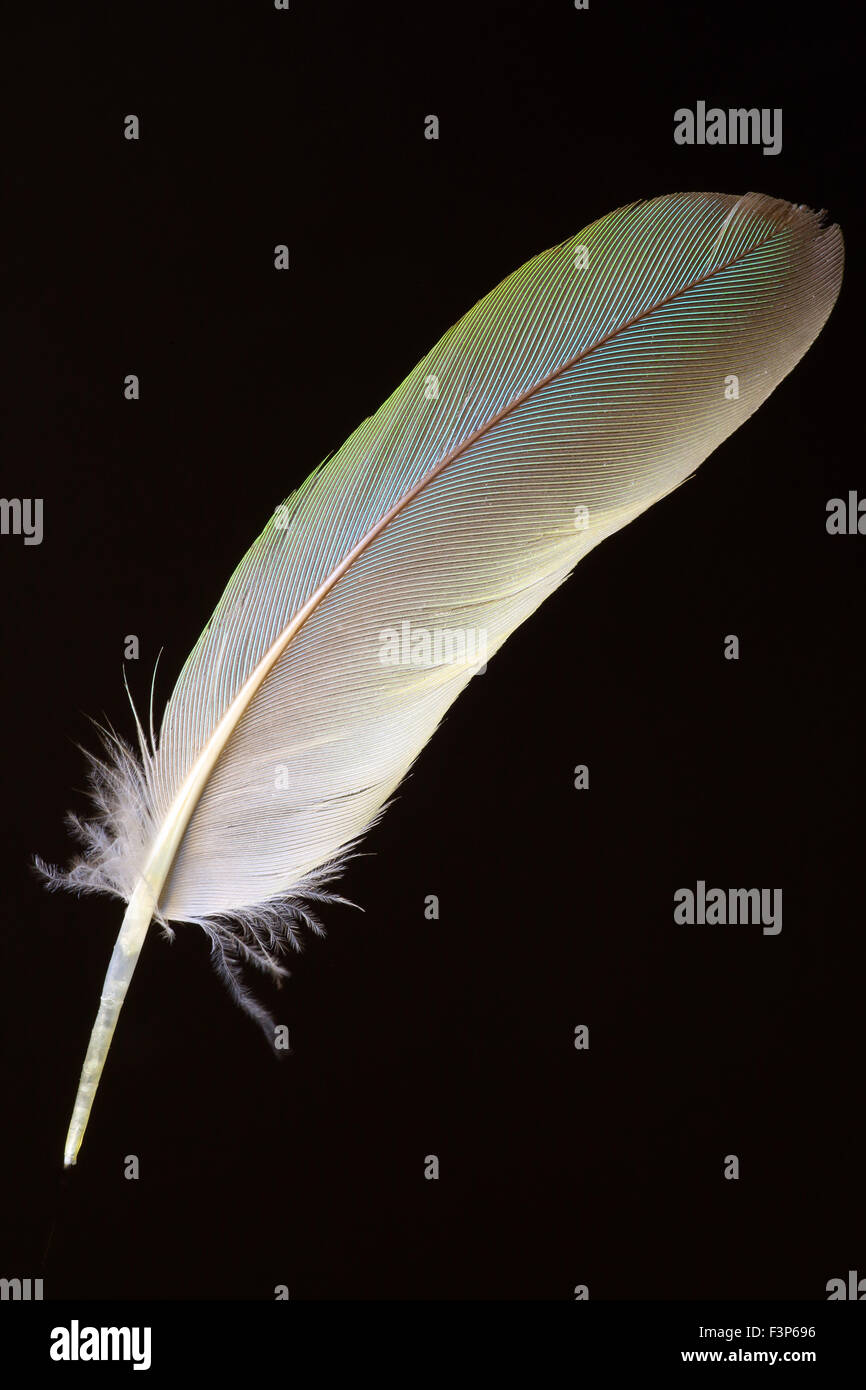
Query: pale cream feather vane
[[582, 389]]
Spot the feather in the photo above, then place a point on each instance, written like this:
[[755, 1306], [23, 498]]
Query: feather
[[586, 386]]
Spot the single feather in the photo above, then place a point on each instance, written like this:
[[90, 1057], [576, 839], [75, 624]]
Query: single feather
[[586, 386]]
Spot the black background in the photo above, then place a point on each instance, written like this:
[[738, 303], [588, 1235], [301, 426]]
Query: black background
[[412, 1037]]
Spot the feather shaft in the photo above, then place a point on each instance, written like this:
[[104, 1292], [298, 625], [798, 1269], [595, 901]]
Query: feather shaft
[[124, 959]]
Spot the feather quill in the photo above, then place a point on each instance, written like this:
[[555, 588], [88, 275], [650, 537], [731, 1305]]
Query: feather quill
[[583, 388]]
